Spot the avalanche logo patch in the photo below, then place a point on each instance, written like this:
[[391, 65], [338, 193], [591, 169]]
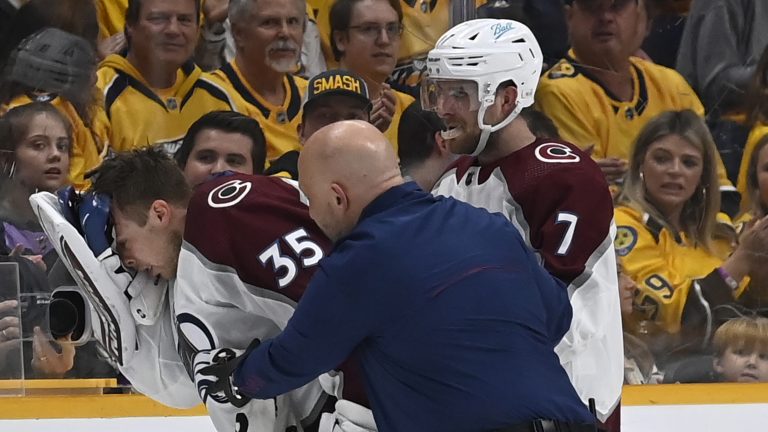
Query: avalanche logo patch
[[229, 193], [626, 239], [556, 153]]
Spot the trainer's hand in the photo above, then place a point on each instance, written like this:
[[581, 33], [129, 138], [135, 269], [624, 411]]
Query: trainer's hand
[[613, 168]]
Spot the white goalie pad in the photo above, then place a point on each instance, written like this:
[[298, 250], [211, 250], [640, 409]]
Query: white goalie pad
[[101, 279]]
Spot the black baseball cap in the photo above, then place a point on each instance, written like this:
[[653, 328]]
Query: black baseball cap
[[336, 82]]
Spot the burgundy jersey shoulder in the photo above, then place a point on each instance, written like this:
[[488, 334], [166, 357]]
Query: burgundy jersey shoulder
[[565, 200], [553, 159], [260, 227]]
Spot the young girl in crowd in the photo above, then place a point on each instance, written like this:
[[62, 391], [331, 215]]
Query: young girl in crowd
[[57, 67], [666, 237], [35, 140], [35, 143]]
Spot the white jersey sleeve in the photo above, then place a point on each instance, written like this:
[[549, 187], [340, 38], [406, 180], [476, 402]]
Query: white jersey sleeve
[[215, 309]]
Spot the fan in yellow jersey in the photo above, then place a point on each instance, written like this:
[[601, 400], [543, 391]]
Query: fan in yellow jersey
[[424, 21], [268, 36], [154, 93], [758, 115], [365, 40], [332, 96], [39, 71], [666, 224], [600, 97], [111, 14]]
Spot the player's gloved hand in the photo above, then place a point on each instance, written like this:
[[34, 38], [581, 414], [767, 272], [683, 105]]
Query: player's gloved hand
[[213, 374], [69, 201], [95, 221]]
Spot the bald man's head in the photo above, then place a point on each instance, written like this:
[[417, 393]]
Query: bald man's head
[[342, 168]]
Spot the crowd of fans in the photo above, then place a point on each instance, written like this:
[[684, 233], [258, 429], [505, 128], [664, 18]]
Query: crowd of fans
[[669, 97]]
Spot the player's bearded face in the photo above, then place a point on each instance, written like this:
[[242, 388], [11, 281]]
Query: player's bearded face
[[457, 104]]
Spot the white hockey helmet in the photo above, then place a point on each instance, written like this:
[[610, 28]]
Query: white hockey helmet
[[487, 52]]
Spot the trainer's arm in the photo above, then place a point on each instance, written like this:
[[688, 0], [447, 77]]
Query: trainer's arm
[[318, 338]]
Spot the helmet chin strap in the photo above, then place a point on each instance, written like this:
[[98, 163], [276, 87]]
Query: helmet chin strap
[[487, 129]]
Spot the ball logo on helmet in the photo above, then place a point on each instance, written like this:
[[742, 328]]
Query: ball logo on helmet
[[501, 28]]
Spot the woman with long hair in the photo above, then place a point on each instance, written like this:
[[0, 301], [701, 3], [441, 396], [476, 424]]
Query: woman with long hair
[[35, 142], [35, 145], [757, 112], [669, 239], [51, 58]]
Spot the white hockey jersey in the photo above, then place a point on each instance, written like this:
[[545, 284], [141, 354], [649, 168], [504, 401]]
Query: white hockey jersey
[[558, 200], [249, 251]]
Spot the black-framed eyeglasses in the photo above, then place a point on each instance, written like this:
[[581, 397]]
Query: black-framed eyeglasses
[[373, 31]]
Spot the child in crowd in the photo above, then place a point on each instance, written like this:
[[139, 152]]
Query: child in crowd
[[741, 350]]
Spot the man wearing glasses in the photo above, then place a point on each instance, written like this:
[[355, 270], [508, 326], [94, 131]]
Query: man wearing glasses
[[600, 95], [365, 38]]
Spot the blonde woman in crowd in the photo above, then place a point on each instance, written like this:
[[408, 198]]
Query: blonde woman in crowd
[[666, 237]]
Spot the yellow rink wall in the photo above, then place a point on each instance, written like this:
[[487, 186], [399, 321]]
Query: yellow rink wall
[[653, 408]]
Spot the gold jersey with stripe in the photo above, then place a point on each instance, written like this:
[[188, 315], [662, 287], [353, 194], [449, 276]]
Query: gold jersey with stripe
[[755, 135], [403, 102], [424, 21], [111, 16], [142, 116], [664, 266], [88, 143], [590, 116], [280, 123]]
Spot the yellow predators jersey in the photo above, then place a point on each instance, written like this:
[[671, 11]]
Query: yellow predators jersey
[[664, 266], [424, 21], [88, 144], [590, 116], [320, 11], [141, 116], [403, 102], [111, 15], [280, 123], [755, 135]]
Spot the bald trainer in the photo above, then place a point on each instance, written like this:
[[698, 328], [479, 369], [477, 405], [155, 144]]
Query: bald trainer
[[452, 318]]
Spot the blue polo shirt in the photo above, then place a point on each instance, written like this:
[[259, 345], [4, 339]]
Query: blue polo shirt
[[450, 314]]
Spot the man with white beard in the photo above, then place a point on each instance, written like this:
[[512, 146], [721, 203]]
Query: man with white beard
[[268, 36]]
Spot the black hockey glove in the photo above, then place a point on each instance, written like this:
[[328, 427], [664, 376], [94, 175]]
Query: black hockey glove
[[213, 372]]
